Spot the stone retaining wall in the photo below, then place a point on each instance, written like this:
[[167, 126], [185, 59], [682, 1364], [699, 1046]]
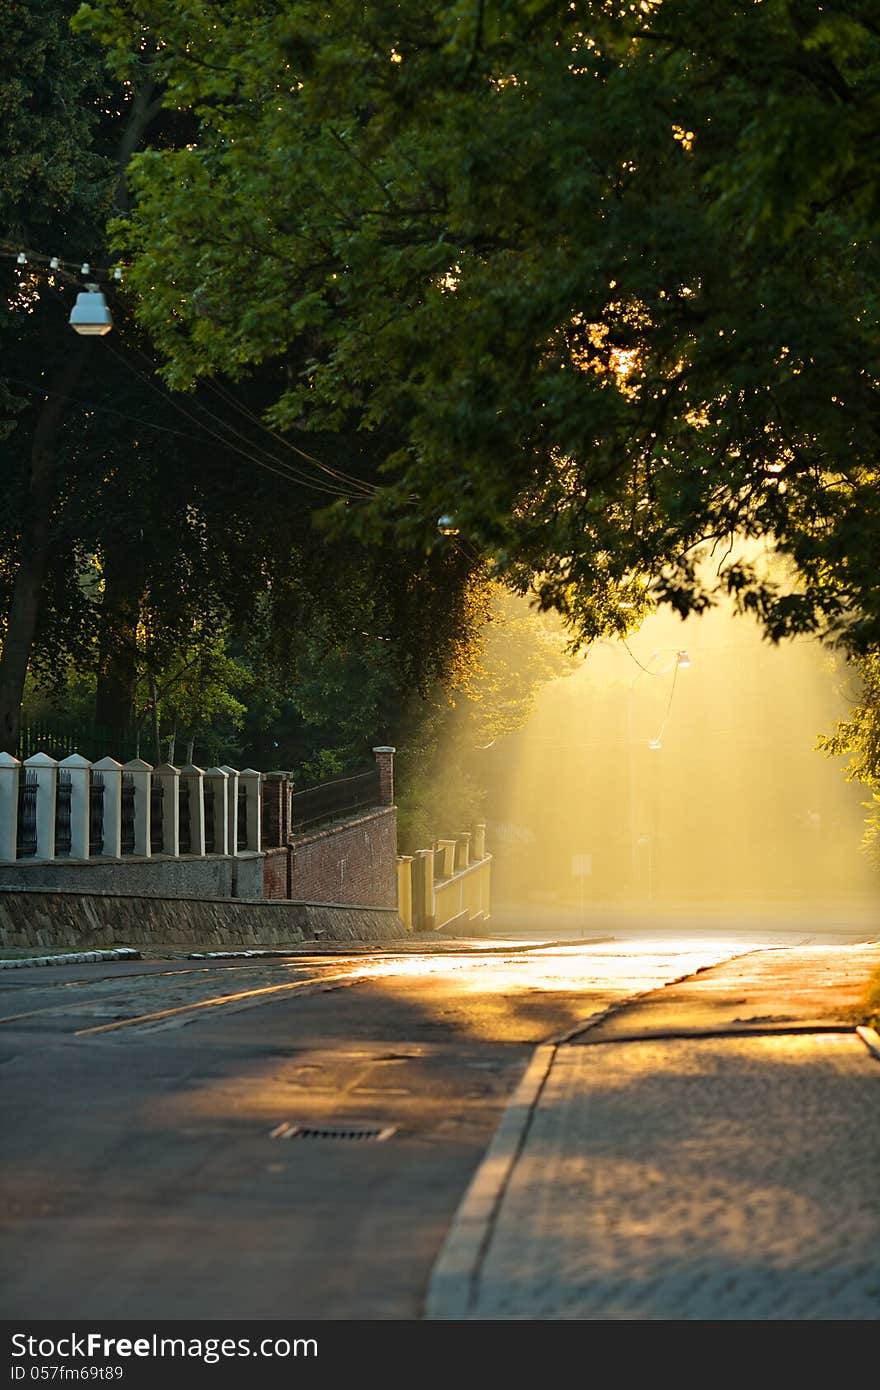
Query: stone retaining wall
[[55, 919], [203, 876]]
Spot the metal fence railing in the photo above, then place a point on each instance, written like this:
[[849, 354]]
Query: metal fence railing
[[96, 813], [26, 840], [157, 810], [63, 792], [127, 817], [333, 800], [108, 810], [184, 825], [59, 737], [210, 833], [241, 830]]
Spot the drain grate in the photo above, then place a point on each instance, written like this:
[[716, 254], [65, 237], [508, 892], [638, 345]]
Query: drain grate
[[362, 1133]]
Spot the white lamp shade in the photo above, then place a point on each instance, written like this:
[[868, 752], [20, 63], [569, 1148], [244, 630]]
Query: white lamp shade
[[90, 313]]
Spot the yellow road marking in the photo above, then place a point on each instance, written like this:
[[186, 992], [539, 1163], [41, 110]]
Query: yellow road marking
[[218, 1002]]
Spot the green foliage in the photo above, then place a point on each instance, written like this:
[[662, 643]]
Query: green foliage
[[858, 739], [602, 278], [174, 519]]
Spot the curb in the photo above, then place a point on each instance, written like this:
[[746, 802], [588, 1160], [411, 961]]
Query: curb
[[871, 1038], [454, 1277], [74, 958]]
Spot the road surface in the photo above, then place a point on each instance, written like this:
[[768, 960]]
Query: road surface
[[293, 1137]]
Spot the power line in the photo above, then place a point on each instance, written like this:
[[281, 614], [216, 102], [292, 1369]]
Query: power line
[[646, 669], [369, 489], [295, 474], [92, 406], [359, 492], [659, 736], [278, 467], [58, 264]]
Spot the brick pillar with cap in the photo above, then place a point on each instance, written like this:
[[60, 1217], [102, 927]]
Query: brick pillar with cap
[[385, 763]]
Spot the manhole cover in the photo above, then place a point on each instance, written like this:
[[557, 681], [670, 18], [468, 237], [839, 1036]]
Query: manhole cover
[[362, 1133]]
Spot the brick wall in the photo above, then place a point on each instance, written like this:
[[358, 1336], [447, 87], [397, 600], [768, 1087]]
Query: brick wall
[[353, 862], [276, 873]]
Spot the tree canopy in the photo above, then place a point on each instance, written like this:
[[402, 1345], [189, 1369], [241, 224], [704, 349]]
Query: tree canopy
[[143, 537], [598, 280]]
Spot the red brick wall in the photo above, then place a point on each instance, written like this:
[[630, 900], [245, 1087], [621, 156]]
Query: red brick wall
[[354, 863], [275, 874]]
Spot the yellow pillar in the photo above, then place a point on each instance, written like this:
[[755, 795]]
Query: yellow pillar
[[424, 910], [404, 890], [448, 848]]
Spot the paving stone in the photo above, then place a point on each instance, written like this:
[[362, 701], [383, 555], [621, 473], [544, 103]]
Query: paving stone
[[722, 1178]]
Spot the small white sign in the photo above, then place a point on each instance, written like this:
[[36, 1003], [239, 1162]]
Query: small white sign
[[581, 865]]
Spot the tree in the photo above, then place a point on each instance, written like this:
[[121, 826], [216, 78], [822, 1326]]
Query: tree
[[135, 522], [858, 738], [66, 138], [601, 280]]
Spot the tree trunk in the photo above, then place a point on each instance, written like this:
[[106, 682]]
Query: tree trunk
[[36, 538], [154, 696], [31, 573], [120, 611]]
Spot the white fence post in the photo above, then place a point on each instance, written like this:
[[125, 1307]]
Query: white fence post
[[193, 778], [111, 771], [217, 778], [9, 770], [140, 772], [169, 780], [79, 768], [46, 769], [251, 779], [232, 807]]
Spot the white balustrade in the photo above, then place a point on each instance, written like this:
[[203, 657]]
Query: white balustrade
[[216, 779], [253, 807], [140, 773], [78, 769], [10, 769], [193, 779], [111, 773], [46, 769], [231, 807], [168, 778]]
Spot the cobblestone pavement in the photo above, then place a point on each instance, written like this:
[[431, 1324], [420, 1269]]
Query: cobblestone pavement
[[702, 1178]]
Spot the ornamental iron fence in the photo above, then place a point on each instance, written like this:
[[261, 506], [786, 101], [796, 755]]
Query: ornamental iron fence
[[329, 801], [26, 840]]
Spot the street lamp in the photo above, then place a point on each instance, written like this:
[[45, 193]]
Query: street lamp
[[90, 314]]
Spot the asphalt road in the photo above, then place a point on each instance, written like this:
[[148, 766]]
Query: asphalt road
[[285, 1137]]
